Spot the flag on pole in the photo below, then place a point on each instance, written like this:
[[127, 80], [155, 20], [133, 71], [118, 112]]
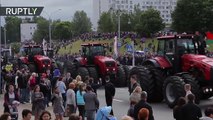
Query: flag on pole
[[44, 44], [209, 37], [116, 47]]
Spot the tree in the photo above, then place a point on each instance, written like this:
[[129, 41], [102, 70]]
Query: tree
[[63, 30], [193, 15], [105, 23], [149, 22], [81, 23], [13, 29], [42, 31]]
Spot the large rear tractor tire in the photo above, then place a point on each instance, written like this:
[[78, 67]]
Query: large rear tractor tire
[[146, 81], [120, 77], [71, 68], [188, 79], [93, 73], [127, 71], [173, 89], [83, 72], [159, 77]]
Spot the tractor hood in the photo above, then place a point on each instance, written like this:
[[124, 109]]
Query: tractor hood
[[104, 58], [40, 57], [199, 59]]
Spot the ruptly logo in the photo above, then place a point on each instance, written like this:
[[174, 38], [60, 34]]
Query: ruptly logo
[[20, 11]]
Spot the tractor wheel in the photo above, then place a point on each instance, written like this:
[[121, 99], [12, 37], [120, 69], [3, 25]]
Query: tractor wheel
[[93, 73], [146, 81], [159, 78], [188, 79], [173, 89], [32, 68], [83, 72], [60, 67], [71, 68], [120, 77], [126, 70]]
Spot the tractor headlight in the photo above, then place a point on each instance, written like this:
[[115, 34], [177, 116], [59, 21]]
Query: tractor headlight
[[107, 69], [113, 69]]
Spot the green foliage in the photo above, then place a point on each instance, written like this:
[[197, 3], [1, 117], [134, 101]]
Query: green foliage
[[13, 28], [81, 23], [105, 23], [149, 22], [15, 47], [193, 15], [62, 30], [42, 31]]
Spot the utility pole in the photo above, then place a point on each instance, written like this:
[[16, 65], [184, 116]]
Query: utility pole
[[5, 37]]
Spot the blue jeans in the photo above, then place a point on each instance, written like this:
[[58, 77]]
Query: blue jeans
[[24, 95]]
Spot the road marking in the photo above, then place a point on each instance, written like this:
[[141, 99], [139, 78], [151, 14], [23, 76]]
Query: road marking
[[118, 100]]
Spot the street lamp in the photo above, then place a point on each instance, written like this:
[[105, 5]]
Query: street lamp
[[50, 24]]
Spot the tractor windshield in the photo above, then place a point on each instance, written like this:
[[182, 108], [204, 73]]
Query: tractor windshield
[[93, 50], [185, 46], [32, 51]]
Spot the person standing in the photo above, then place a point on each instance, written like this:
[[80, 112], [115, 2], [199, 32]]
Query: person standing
[[44, 89], [91, 103], [208, 114], [177, 109], [80, 100], [68, 80], [37, 99], [71, 99], [191, 111], [133, 84], [9, 98], [143, 104], [58, 108], [109, 92], [62, 89]]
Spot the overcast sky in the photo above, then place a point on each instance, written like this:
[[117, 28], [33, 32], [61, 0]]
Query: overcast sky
[[68, 7]]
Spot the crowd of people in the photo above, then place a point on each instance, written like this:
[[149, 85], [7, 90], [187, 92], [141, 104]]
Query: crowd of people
[[70, 96]]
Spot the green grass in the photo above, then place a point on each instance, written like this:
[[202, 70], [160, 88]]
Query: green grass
[[76, 46]]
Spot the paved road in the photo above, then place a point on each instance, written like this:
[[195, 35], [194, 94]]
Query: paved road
[[121, 105]]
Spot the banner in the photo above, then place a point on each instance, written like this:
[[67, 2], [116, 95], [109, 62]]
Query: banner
[[116, 47]]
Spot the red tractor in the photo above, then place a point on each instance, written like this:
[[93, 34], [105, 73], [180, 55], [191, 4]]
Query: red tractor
[[33, 58], [94, 63], [175, 64]]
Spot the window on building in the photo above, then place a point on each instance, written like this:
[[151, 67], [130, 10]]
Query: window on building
[[147, 2], [31, 33], [126, 1], [162, 16], [130, 6], [130, 2], [122, 2], [118, 2], [30, 28], [126, 6], [167, 15]]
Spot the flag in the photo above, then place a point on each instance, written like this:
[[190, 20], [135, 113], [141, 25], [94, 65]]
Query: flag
[[209, 37], [44, 44], [116, 47]]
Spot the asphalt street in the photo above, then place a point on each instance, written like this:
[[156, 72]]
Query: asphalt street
[[121, 105]]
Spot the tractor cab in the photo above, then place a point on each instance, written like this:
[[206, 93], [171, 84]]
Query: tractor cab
[[91, 50], [173, 47], [31, 51]]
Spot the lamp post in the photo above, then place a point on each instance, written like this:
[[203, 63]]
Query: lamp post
[[5, 37], [50, 24]]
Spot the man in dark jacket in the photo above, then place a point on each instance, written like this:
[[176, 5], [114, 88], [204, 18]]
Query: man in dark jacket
[[133, 84], [191, 111], [143, 104], [109, 92]]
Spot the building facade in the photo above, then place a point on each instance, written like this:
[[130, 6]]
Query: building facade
[[164, 6], [27, 31]]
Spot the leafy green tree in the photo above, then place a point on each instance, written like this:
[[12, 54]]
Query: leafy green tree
[[63, 30], [193, 15], [149, 22], [42, 31], [105, 23], [81, 23], [12, 29]]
